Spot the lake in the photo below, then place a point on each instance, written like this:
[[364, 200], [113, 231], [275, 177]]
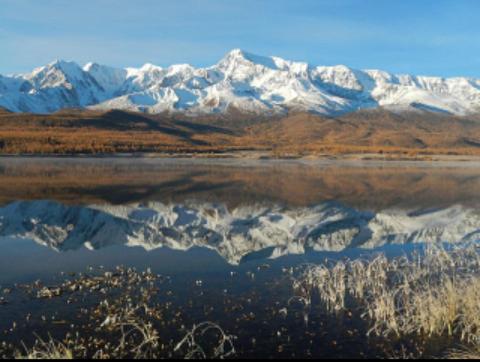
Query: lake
[[224, 237]]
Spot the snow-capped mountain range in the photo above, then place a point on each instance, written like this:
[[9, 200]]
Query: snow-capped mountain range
[[241, 81], [235, 234]]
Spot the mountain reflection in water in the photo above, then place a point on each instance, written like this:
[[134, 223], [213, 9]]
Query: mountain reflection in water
[[235, 233], [238, 209]]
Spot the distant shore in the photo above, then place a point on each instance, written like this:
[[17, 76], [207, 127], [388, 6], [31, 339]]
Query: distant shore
[[259, 155]]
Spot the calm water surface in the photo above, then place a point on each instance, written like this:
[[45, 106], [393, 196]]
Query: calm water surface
[[218, 227]]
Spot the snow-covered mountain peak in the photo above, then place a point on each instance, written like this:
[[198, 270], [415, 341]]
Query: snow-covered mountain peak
[[95, 67], [149, 67], [248, 82], [178, 68], [241, 61], [64, 64], [56, 74]]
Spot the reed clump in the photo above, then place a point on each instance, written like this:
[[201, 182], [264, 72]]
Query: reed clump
[[435, 293]]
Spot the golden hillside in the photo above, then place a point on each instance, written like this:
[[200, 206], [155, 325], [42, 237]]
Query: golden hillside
[[376, 131]]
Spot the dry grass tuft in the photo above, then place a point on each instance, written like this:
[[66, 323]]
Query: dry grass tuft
[[193, 348], [46, 350]]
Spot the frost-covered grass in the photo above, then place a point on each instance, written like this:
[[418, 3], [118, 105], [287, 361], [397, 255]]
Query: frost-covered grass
[[44, 350], [435, 294]]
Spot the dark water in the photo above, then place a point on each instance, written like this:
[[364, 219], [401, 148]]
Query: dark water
[[222, 231]]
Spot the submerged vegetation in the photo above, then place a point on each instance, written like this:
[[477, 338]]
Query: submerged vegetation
[[123, 324], [424, 304]]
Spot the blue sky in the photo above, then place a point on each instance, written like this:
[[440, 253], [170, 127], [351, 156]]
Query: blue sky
[[431, 37]]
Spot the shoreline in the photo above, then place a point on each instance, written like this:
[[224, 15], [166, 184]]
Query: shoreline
[[260, 156]]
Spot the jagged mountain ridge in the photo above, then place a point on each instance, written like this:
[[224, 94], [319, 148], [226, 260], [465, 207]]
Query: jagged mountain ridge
[[240, 81], [237, 233]]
